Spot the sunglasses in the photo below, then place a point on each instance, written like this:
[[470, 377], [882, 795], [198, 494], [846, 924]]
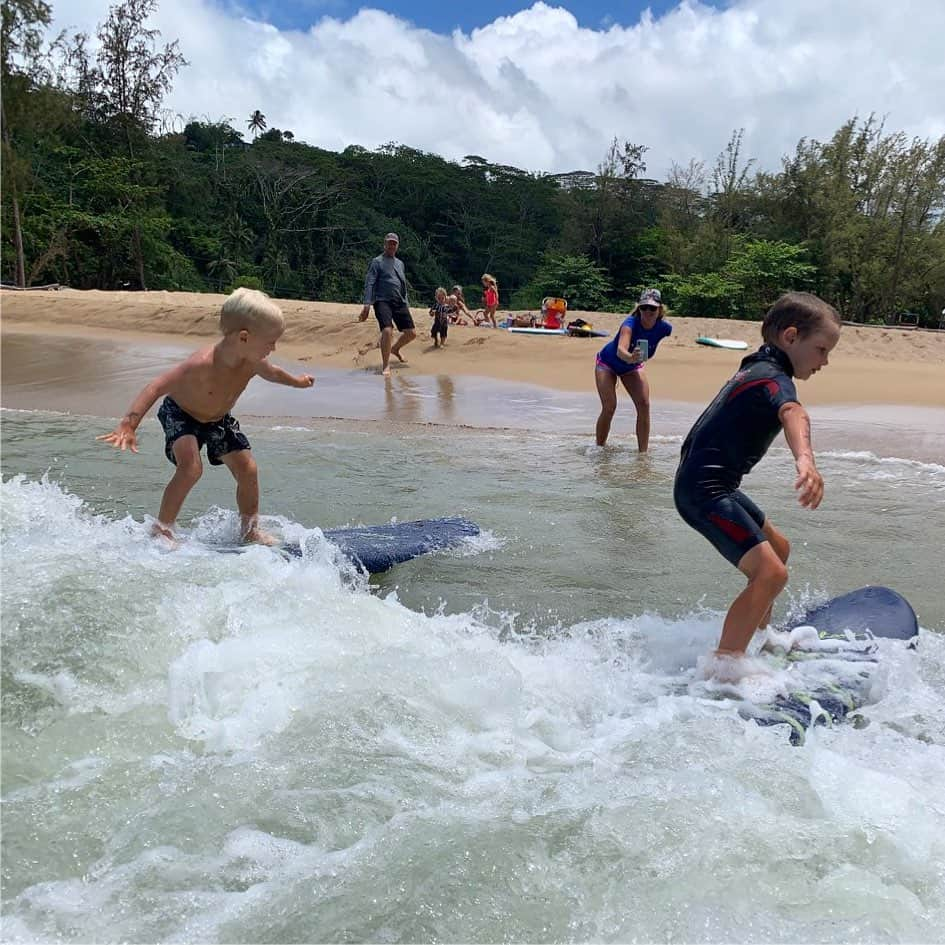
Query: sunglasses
[[648, 308]]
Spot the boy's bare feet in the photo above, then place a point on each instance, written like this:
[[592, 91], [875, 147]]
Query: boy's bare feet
[[256, 536], [398, 355], [731, 666], [385, 372], [164, 532]]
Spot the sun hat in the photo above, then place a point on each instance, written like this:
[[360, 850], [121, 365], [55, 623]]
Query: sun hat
[[650, 297]]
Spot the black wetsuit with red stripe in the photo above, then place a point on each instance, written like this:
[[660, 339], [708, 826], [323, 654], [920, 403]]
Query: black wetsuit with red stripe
[[725, 443]]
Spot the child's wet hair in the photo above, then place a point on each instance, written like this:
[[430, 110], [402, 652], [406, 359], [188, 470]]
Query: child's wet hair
[[801, 310], [250, 310]]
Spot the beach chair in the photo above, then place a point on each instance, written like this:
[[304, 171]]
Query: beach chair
[[552, 313]]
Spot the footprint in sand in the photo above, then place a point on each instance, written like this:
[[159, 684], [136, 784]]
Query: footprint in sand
[[363, 350], [475, 341]]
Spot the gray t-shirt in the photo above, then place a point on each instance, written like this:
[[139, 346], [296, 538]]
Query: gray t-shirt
[[386, 281]]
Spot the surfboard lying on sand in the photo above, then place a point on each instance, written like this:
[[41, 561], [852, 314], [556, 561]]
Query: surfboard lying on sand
[[378, 548], [834, 665], [538, 331], [722, 343]]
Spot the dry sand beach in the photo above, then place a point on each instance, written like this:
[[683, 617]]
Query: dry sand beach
[[888, 366]]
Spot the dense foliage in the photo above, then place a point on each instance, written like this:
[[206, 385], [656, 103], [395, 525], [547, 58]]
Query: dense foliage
[[97, 194]]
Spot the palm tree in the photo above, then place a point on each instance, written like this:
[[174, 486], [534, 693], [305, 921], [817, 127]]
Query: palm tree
[[256, 123]]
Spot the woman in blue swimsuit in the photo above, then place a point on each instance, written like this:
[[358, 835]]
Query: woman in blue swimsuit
[[621, 358]]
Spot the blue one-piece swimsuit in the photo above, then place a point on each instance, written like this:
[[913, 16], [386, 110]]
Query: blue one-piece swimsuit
[[725, 443], [608, 357]]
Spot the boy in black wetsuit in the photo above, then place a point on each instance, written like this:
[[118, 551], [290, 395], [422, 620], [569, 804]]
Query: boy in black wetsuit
[[732, 435]]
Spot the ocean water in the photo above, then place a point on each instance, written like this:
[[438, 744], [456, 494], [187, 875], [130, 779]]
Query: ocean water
[[510, 741]]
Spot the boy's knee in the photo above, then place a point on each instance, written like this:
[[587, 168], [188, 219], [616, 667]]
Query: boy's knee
[[190, 467], [774, 576], [246, 468]]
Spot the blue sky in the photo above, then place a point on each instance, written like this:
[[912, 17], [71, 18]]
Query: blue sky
[[443, 16]]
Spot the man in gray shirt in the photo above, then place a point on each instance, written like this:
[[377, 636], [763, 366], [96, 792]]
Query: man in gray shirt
[[385, 286]]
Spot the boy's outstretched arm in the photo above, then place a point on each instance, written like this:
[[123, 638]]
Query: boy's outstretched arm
[[809, 483], [270, 372], [123, 436]]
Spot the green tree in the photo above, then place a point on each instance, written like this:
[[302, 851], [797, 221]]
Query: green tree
[[765, 269], [21, 51], [574, 278], [256, 122]]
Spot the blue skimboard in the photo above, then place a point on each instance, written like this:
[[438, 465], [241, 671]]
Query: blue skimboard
[[378, 548], [839, 666]]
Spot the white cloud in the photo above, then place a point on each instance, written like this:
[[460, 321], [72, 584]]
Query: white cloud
[[538, 91]]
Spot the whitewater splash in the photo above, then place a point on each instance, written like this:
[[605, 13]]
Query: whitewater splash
[[234, 748]]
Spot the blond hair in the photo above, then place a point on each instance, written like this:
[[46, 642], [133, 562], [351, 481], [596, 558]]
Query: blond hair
[[488, 278], [439, 289], [250, 310]]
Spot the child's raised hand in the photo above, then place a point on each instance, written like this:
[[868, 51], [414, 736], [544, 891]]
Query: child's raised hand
[[122, 438], [809, 484]]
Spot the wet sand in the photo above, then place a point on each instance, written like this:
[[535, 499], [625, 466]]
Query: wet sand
[[96, 372]]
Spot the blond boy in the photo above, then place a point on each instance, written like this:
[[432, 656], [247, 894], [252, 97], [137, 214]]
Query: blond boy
[[198, 396]]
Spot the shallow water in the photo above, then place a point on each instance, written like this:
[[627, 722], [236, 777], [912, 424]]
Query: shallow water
[[504, 742]]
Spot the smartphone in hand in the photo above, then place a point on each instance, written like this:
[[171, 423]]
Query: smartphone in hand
[[643, 346]]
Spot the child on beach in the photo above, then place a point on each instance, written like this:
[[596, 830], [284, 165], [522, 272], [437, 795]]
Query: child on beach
[[490, 299], [460, 314], [440, 312], [731, 436], [622, 358], [199, 393]]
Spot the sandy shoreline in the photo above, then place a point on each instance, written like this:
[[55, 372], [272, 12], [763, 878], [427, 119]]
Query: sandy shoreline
[[870, 365]]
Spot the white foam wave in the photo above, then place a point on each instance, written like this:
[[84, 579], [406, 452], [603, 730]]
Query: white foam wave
[[304, 738], [865, 456]]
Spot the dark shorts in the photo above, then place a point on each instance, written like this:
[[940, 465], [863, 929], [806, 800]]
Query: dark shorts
[[732, 522], [439, 328], [389, 314], [221, 436]]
